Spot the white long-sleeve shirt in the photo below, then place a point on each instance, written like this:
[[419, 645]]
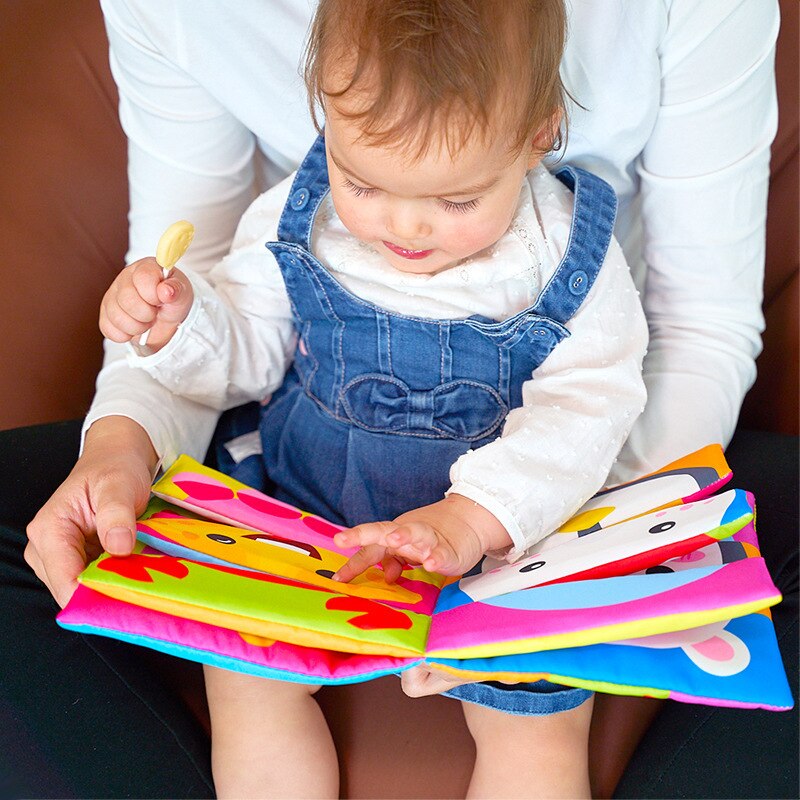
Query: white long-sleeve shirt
[[554, 452], [678, 113]]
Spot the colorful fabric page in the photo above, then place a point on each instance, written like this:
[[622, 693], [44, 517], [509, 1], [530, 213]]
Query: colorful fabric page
[[216, 543], [242, 581], [620, 549], [594, 611], [733, 663], [268, 606], [91, 612], [216, 496], [683, 481]]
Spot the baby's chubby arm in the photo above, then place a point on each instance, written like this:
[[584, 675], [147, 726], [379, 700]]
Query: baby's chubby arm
[[142, 299], [448, 537]]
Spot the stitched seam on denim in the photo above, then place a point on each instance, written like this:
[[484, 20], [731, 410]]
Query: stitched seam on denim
[[514, 331], [567, 253], [468, 382], [389, 344], [370, 376], [474, 438], [506, 327], [306, 381], [339, 327], [503, 372], [382, 341], [441, 355], [445, 329], [385, 431], [583, 186], [502, 413], [287, 218], [323, 275], [141, 699], [605, 206]]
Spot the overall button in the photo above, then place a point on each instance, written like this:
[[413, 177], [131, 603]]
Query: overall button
[[578, 282], [300, 199]]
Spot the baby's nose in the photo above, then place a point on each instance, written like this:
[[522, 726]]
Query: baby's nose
[[408, 224]]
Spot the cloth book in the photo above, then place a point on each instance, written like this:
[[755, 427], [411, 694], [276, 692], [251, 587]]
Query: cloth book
[[653, 588]]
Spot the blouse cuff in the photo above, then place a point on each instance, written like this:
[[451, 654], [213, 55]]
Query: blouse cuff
[[504, 516], [141, 356]]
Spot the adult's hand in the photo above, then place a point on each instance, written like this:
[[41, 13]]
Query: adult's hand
[[95, 509], [421, 681]]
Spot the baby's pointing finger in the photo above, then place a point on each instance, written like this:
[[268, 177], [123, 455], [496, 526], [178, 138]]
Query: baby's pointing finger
[[359, 562]]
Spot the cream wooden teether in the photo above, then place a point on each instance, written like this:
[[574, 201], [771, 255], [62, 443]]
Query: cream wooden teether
[[174, 242]]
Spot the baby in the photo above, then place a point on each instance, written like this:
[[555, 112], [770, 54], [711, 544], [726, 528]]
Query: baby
[[443, 341]]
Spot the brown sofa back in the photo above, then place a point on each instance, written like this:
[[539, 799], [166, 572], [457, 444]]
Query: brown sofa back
[[64, 198]]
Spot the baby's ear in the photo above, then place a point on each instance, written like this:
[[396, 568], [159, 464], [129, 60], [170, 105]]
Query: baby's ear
[[545, 138]]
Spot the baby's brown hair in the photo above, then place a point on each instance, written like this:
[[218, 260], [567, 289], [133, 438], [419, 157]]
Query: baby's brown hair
[[417, 66]]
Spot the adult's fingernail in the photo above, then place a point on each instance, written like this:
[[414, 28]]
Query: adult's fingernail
[[118, 540]]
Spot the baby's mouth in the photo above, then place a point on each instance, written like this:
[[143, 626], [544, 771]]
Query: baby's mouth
[[405, 253]]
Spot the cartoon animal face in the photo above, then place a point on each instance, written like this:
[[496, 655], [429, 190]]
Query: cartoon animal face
[[266, 552], [688, 479], [620, 549]]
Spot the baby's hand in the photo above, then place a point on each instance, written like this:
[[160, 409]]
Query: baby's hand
[[141, 299], [447, 537]]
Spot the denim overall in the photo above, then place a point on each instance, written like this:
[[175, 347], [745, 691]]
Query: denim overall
[[378, 405]]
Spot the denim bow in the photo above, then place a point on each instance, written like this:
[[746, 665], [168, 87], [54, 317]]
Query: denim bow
[[459, 409]]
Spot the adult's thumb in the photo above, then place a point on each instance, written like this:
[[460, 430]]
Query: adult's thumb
[[115, 518]]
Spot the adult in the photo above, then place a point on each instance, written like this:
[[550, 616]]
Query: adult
[[677, 119]]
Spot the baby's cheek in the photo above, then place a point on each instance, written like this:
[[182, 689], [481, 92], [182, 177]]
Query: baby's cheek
[[467, 237], [358, 222]]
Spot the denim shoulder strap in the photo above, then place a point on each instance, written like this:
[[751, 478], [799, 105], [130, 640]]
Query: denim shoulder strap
[[592, 225], [308, 189]]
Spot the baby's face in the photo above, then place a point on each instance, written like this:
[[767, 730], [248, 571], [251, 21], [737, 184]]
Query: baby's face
[[423, 215]]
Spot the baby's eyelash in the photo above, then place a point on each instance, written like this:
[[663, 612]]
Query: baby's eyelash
[[447, 205], [358, 191], [458, 208]]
